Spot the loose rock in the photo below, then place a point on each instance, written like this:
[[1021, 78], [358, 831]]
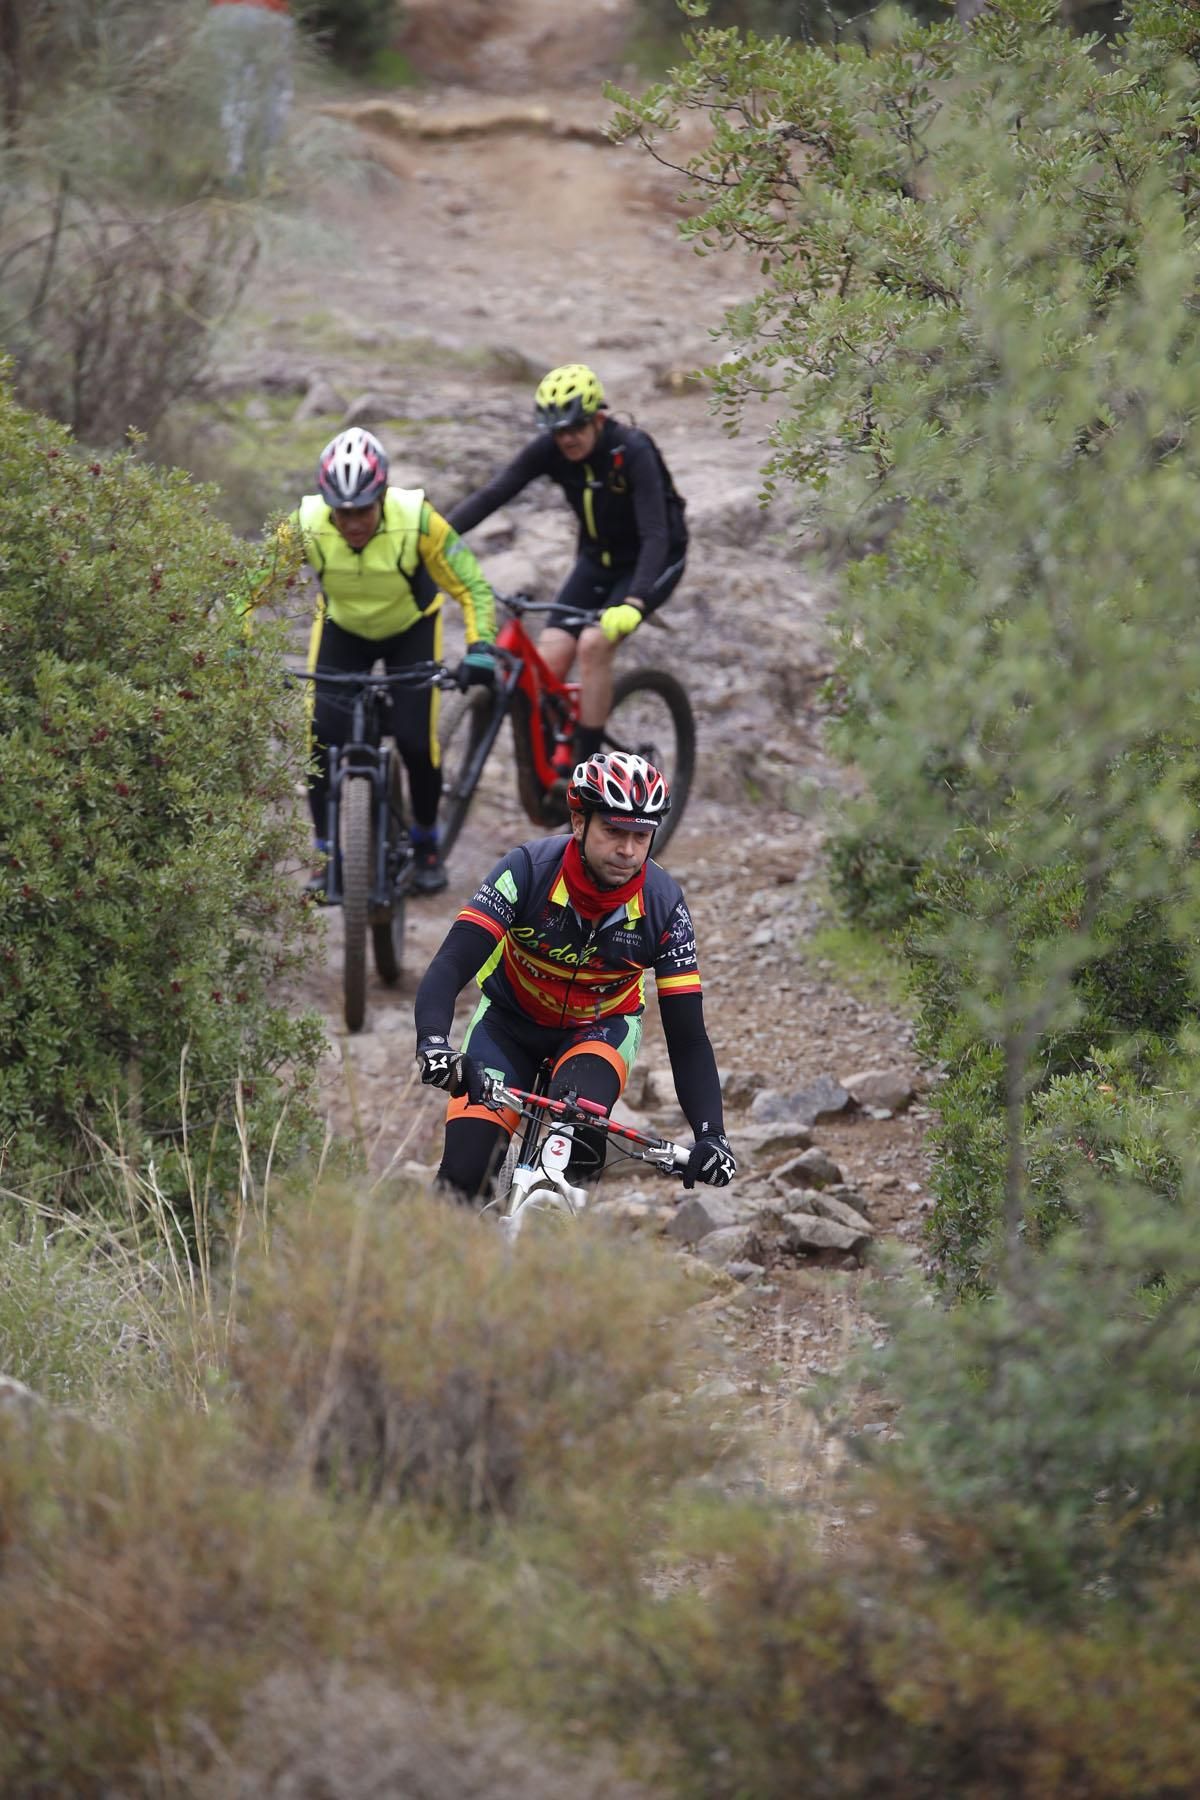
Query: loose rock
[[812, 1169], [805, 1231], [696, 1218], [758, 1144], [887, 1089]]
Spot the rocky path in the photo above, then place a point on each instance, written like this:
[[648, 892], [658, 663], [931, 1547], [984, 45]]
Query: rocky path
[[467, 266]]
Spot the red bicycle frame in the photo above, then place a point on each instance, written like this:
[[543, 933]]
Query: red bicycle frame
[[540, 685]]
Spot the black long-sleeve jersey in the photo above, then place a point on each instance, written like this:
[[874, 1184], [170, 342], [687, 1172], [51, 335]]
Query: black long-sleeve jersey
[[630, 516]]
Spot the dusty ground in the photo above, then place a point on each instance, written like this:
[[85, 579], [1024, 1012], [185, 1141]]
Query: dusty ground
[[467, 265]]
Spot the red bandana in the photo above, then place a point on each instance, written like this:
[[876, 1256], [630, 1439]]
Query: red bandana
[[590, 901]]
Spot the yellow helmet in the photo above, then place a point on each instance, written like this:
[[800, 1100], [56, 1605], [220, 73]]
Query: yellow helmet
[[567, 396]]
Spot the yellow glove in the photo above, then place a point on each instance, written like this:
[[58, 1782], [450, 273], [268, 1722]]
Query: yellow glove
[[617, 622]]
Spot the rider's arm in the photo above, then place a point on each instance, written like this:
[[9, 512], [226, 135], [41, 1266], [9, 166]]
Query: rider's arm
[[454, 568], [649, 493], [465, 948], [681, 1008], [471, 942], [534, 460], [693, 1064]]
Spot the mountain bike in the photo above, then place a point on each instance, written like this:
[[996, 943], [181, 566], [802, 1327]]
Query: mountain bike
[[651, 715], [533, 1178], [371, 860]]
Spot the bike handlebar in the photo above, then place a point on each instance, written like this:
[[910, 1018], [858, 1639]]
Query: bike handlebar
[[519, 604], [417, 675], [572, 1109]]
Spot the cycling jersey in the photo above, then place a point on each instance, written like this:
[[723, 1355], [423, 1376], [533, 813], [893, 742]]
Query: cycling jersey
[[630, 516], [560, 969], [371, 592]]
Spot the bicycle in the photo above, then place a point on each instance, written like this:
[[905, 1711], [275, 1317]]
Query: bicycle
[[533, 1176], [371, 860], [651, 715]]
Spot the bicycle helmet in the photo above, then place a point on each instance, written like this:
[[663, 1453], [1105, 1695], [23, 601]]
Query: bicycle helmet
[[624, 789], [567, 396], [353, 470]]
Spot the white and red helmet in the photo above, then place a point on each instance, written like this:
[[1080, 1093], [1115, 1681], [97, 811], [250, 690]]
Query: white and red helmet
[[624, 789], [353, 470]]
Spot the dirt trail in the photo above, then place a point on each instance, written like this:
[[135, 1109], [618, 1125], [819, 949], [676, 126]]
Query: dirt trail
[[511, 252]]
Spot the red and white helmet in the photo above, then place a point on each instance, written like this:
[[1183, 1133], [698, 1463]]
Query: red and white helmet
[[624, 789], [353, 470]]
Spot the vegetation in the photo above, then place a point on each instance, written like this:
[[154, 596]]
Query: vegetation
[[148, 757], [980, 265], [342, 1491]]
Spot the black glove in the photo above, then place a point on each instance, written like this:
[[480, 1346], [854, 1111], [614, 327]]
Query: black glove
[[478, 666], [711, 1161], [443, 1067]]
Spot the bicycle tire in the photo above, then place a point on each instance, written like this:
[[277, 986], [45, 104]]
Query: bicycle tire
[[464, 721], [355, 812], [387, 934], [652, 716]]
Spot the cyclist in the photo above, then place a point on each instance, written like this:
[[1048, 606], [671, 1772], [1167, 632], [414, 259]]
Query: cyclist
[[559, 937], [382, 556], [632, 536]]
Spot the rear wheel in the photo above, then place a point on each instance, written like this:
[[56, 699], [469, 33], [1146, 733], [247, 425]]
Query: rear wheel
[[355, 812], [464, 720], [651, 716], [387, 927]]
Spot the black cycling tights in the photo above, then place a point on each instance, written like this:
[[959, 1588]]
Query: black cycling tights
[[343, 652]]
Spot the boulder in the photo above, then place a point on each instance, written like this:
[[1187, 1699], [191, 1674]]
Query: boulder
[[811, 1169], [823, 1098], [698, 1217], [757, 1145], [833, 1206], [805, 1232], [889, 1090], [733, 1243], [321, 401], [372, 409], [739, 1087]]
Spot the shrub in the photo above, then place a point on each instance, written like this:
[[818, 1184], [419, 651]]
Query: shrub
[[353, 31], [148, 761], [399, 1351], [110, 309]]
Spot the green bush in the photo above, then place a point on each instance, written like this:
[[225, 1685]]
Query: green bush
[[148, 760], [977, 311], [353, 31], [873, 880]]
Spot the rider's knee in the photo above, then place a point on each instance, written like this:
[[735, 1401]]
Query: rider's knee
[[595, 651]]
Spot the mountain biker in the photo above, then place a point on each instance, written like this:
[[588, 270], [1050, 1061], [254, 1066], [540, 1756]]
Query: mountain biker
[[559, 937], [632, 536], [382, 555]]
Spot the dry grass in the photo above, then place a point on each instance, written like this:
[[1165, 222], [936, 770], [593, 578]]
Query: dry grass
[[334, 1736], [399, 1349]]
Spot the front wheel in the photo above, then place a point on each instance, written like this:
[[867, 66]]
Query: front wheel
[[464, 721], [355, 815], [387, 927], [651, 716]]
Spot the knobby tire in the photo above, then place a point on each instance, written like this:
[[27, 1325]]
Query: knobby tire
[[671, 743], [464, 725], [387, 932], [356, 890]]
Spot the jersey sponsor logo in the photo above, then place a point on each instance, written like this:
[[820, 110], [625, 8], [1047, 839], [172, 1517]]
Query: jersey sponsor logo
[[507, 886], [532, 939], [492, 899]]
